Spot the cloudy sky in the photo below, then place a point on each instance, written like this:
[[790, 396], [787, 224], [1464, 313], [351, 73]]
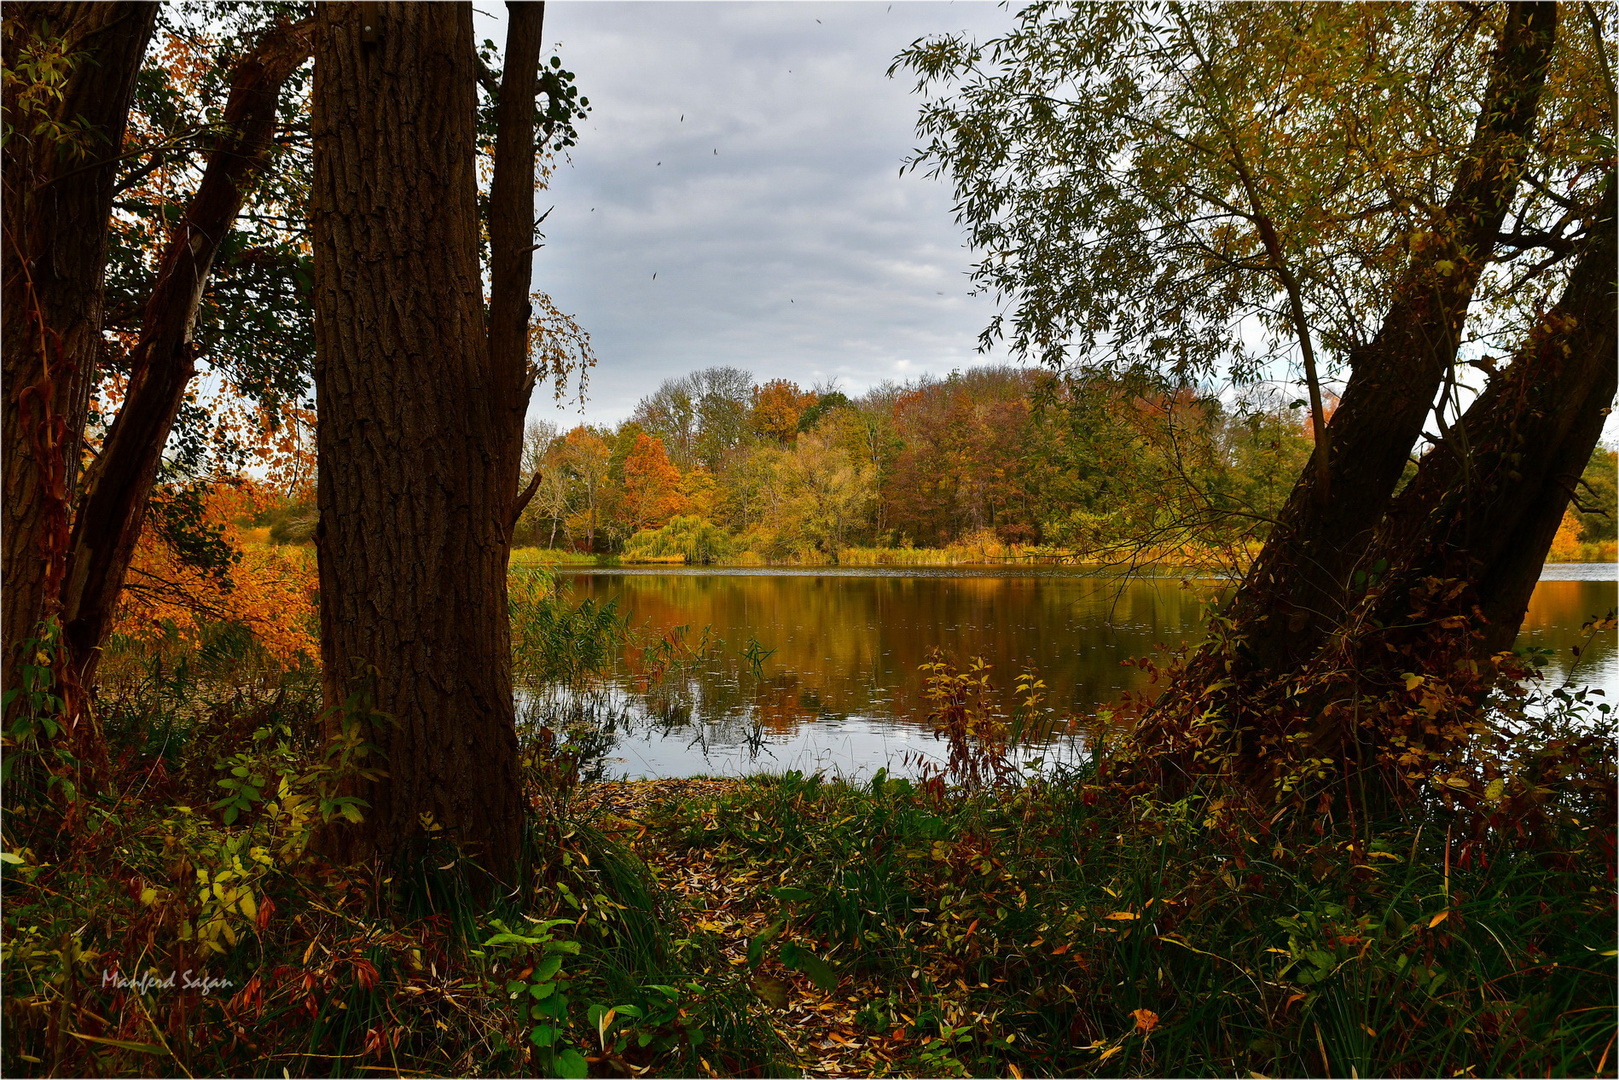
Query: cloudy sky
[[748, 155]]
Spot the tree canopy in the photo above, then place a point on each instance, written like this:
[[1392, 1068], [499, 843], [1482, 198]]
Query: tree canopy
[[1141, 179]]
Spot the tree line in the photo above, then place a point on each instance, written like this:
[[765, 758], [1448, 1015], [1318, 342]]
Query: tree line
[[1084, 468]]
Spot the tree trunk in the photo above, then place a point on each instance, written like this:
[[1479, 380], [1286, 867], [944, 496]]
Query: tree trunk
[[413, 487], [1466, 516], [511, 243], [1361, 635], [118, 485], [1455, 560], [56, 204], [1299, 587]]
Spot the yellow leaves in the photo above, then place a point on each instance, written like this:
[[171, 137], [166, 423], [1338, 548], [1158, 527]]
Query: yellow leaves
[[1412, 681], [1145, 1020], [1439, 918], [1495, 790], [1122, 916]]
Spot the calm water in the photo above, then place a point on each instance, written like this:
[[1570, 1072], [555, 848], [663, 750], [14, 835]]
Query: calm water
[[840, 690]]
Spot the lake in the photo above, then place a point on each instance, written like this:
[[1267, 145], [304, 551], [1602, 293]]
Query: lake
[[839, 690]]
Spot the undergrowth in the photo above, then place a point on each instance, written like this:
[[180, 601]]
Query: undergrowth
[[1048, 929], [169, 917]]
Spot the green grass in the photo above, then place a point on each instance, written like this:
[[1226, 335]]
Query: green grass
[[1053, 918], [527, 558]]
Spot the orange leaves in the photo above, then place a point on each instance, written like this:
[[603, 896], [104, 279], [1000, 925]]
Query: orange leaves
[[1145, 1020], [271, 591], [777, 405], [651, 485]]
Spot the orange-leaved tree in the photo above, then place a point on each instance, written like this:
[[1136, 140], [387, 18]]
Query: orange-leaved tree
[[651, 486]]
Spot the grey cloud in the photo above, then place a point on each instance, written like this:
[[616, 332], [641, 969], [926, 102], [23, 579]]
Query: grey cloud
[[797, 251]]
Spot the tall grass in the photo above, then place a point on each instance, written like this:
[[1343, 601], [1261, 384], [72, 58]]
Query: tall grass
[[1092, 938], [120, 901]]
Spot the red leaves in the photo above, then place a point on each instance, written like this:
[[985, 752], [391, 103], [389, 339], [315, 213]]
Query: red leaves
[[266, 909]]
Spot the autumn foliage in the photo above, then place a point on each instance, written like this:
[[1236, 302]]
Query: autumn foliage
[[270, 591]]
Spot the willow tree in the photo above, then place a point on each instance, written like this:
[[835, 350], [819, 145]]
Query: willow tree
[[420, 404], [1373, 196]]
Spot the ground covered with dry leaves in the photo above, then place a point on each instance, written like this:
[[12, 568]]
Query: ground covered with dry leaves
[[893, 929]]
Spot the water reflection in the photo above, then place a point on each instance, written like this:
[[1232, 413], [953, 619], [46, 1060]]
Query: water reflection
[[840, 690]]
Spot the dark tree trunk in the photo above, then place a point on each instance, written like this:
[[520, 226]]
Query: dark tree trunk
[[511, 244], [118, 486], [56, 205], [1455, 560], [1362, 635], [1298, 588], [415, 488], [1487, 501]]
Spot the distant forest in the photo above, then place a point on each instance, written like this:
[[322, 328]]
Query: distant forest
[[715, 465]]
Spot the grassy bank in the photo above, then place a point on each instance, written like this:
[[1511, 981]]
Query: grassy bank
[[1045, 931], [174, 919]]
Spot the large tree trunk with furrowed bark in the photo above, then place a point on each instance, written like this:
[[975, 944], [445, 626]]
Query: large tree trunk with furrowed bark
[[57, 199], [118, 486], [415, 486]]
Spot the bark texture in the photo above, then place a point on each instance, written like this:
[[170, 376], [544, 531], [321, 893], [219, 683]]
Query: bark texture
[[57, 197], [1465, 515], [511, 243], [118, 486], [1298, 588], [413, 490]]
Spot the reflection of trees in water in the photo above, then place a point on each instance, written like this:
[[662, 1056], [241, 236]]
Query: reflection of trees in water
[[850, 646], [583, 724], [855, 642], [1557, 611]]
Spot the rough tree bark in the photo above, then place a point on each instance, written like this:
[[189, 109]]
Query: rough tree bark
[[1464, 516], [1298, 588], [118, 486], [419, 413], [56, 204]]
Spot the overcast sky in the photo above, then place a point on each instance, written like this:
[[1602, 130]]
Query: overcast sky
[[748, 155]]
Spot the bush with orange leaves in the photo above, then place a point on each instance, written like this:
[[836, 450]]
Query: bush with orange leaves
[[272, 592]]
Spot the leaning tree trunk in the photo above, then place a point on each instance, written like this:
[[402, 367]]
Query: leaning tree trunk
[[1299, 587], [1394, 696], [118, 486], [1254, 700], [1465, 516], [413, 488], [58, 195]]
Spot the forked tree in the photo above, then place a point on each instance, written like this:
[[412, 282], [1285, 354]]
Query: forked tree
[[1390, 192]]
